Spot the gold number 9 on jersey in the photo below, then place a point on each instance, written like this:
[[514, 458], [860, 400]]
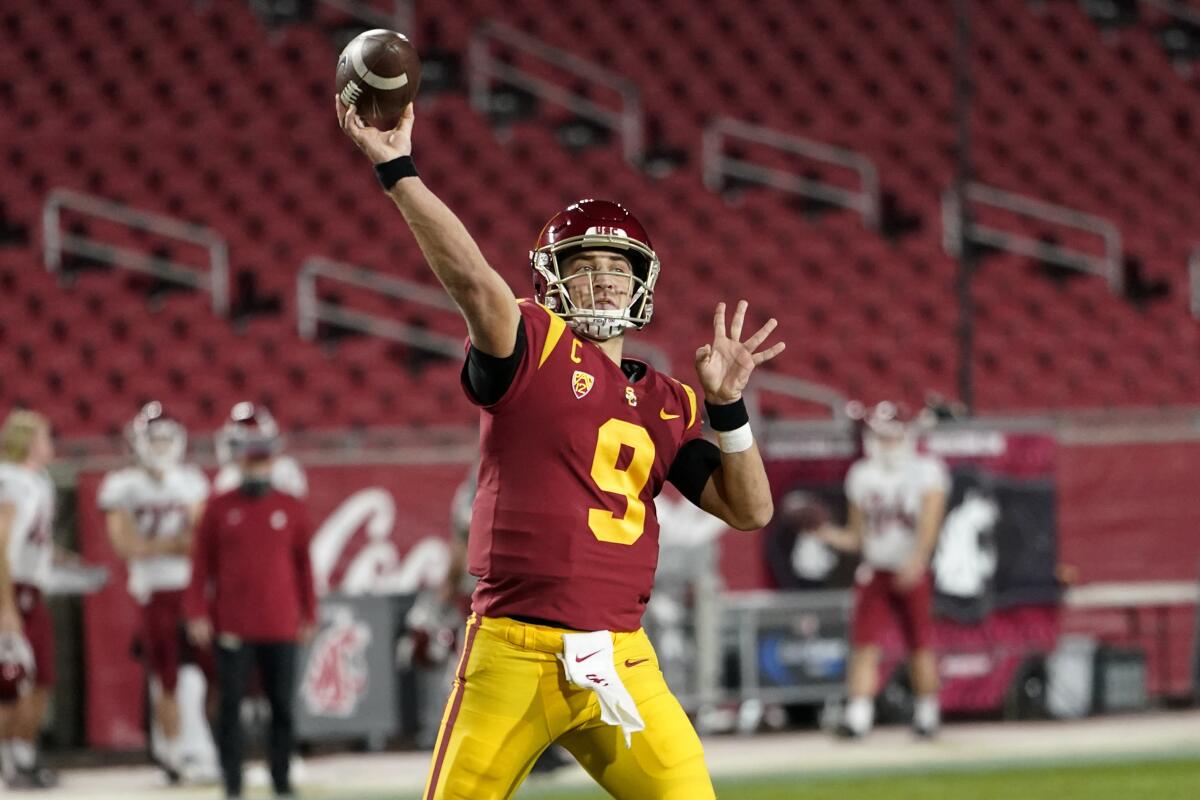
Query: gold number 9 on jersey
[[628, 481]]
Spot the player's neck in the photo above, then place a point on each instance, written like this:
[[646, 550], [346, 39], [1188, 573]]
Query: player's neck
[[613, 348]]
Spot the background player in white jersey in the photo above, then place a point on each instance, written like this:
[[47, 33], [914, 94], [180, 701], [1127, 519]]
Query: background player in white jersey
[[26, 556], [286, 473], [151, 508], [896, 499]]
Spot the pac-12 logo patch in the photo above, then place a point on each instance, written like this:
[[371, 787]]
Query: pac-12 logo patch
[[581, 383]]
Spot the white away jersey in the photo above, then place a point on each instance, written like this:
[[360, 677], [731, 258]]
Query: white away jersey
[[160, 509], [30, 545], [890, 500], [286, 475]]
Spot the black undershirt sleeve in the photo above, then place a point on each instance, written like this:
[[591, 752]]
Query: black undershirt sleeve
[[694, 464], [488, 377]]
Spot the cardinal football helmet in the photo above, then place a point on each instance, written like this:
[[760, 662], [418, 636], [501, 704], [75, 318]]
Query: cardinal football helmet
[[17, 669], [595, 225], [158, 441], [249, 433]]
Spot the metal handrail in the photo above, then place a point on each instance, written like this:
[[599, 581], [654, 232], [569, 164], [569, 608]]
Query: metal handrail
[[1194, 273], [717, 166], [56, 242], [311, 310], [799, 388], [483, 68], [1108, 266], [401, 18]]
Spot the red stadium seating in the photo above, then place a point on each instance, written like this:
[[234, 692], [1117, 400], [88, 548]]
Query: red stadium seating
[[202, 113]]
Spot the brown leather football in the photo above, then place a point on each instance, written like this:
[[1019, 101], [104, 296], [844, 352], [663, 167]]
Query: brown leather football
[[803, 511], [379, 72]]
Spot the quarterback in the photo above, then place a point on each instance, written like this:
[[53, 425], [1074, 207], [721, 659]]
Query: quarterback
[[896, 498], [150, 509], [575, 441]]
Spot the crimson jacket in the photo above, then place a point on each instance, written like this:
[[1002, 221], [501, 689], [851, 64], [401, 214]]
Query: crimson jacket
[[250, 566]]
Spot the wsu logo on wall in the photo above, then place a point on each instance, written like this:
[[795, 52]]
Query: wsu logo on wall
[[336, 675]]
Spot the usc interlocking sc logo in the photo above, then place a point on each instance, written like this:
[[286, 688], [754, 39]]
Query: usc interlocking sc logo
[[336, 676]]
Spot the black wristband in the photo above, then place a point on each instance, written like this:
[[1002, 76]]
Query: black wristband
[[729, 417], [389, 172]]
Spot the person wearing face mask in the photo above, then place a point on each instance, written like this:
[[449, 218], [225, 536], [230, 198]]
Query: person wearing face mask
[[286, 473], [896, 500], [252, 594]]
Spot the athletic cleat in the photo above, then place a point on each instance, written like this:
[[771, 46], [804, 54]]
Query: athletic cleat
[[33, 778], [926, 731], [844, 731], [172, 773]]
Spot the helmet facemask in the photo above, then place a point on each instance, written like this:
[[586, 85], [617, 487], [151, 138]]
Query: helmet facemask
[[159, 442], [600, 324], [890, 437]]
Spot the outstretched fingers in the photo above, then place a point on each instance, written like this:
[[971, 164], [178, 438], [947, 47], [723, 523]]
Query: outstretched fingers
[[761, 335], [739, 317], [719, 322], [769, 353]]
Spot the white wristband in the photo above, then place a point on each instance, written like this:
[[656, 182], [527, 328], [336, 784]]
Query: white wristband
[[736, 440]]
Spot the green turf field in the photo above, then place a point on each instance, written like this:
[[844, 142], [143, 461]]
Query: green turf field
[[1151, 780]]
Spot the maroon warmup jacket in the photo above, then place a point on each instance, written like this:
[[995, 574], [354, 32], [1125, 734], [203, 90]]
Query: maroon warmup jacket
[[250, 567]]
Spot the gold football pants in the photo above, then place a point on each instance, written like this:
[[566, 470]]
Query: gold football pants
[[511, 700]]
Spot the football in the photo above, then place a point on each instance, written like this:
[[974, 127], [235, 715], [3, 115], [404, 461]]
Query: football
[[803, 511], [379, 72]]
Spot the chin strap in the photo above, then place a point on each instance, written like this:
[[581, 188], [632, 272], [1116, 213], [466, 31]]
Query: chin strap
[[594, 327]]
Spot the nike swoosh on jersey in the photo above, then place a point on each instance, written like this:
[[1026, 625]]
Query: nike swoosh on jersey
[[585, 658], [635, 661], [664, 415]]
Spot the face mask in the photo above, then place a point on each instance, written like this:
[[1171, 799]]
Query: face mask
[[256, 486]]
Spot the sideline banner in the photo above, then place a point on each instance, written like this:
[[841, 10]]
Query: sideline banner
[[998, 544], [995, 567], [347, 675]]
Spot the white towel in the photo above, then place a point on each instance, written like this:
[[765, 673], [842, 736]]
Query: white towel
[[588, 659]]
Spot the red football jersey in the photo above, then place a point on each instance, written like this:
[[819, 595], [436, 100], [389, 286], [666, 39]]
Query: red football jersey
[[572, 456]]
